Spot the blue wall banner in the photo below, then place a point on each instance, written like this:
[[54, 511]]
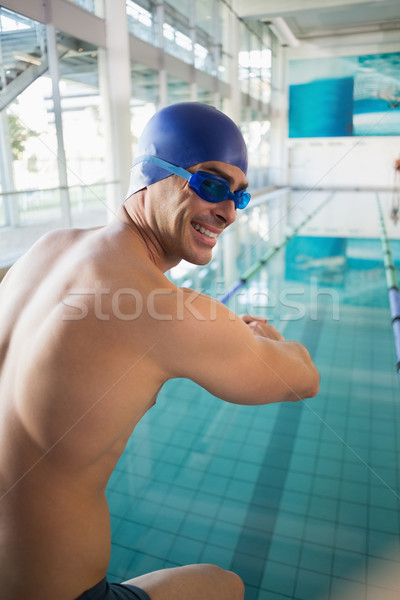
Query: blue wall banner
[[345, 96]]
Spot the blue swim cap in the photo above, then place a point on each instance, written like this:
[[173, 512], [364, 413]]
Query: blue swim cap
[[186, 134]]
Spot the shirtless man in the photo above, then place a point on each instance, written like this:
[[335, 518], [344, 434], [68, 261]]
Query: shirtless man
[[90, 329]]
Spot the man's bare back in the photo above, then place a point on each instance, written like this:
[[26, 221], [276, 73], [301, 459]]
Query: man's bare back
[[70, 398]]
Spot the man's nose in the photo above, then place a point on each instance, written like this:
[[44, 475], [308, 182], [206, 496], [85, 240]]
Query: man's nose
[[225, 211]]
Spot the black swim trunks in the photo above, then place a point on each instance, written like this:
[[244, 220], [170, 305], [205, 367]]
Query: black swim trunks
[[113, 591]]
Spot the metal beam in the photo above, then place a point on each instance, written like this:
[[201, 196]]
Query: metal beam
[[65, 16], [261, 9], [80, 23], [61, 157], [34, 9], [116, 90], [20, 83]]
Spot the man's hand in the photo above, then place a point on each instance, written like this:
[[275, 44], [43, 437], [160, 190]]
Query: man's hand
[[259, 326]]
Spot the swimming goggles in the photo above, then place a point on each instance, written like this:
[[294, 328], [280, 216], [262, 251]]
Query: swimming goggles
[[208, 186]]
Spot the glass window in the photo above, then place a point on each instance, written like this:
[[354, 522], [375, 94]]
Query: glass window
[[35, 165], [181, 6], [255, 129], [177, 90], [205, 16], [32, 129], [22, 51], [93, 6], [264, 151], [205, 30], [144, 98], [226, 32], [266, 57], [203, 55], [177, 34], [28, 125], [254, 64], [244, 58], [142, 21], [205, 96], [83, 126], [29, 159]]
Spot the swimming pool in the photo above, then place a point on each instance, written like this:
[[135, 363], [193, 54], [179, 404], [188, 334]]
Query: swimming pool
[[300, 499]]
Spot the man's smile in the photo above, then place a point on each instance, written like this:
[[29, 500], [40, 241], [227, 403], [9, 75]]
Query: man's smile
[[206, 232]]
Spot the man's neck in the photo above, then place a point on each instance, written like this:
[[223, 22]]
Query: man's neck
[[137, 224]]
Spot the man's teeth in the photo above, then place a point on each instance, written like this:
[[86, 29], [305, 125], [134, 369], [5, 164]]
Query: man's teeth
[[204, 230]]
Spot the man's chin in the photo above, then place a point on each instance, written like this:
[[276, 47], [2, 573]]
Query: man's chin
[[198, 260]]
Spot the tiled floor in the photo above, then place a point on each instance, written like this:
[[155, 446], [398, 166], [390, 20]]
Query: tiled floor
[[302, 500]]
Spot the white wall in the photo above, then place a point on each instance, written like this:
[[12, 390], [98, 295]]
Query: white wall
[[356, 162], [347, 214]]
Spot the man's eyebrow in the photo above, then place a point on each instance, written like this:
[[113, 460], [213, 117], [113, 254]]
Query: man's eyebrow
[[227, 177]]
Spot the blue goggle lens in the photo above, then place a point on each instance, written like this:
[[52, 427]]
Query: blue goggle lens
[[212, 188]]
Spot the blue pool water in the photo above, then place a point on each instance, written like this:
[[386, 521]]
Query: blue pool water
[[301, 499]]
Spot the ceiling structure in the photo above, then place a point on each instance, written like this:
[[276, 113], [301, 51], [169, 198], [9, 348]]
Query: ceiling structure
[[304, 20]]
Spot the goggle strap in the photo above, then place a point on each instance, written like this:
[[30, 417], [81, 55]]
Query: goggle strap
[[163, 164]]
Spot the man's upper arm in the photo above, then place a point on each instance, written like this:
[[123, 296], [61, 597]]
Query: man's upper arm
[[206, 342]]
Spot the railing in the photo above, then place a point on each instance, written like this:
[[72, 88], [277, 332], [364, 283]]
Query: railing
[[40, 206], [26, 215], [271, 218], [392, 285]]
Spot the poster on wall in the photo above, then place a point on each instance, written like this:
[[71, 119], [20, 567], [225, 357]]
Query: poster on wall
[[345, 96]]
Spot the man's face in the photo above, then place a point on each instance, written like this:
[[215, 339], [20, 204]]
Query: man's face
[[187, 226]]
